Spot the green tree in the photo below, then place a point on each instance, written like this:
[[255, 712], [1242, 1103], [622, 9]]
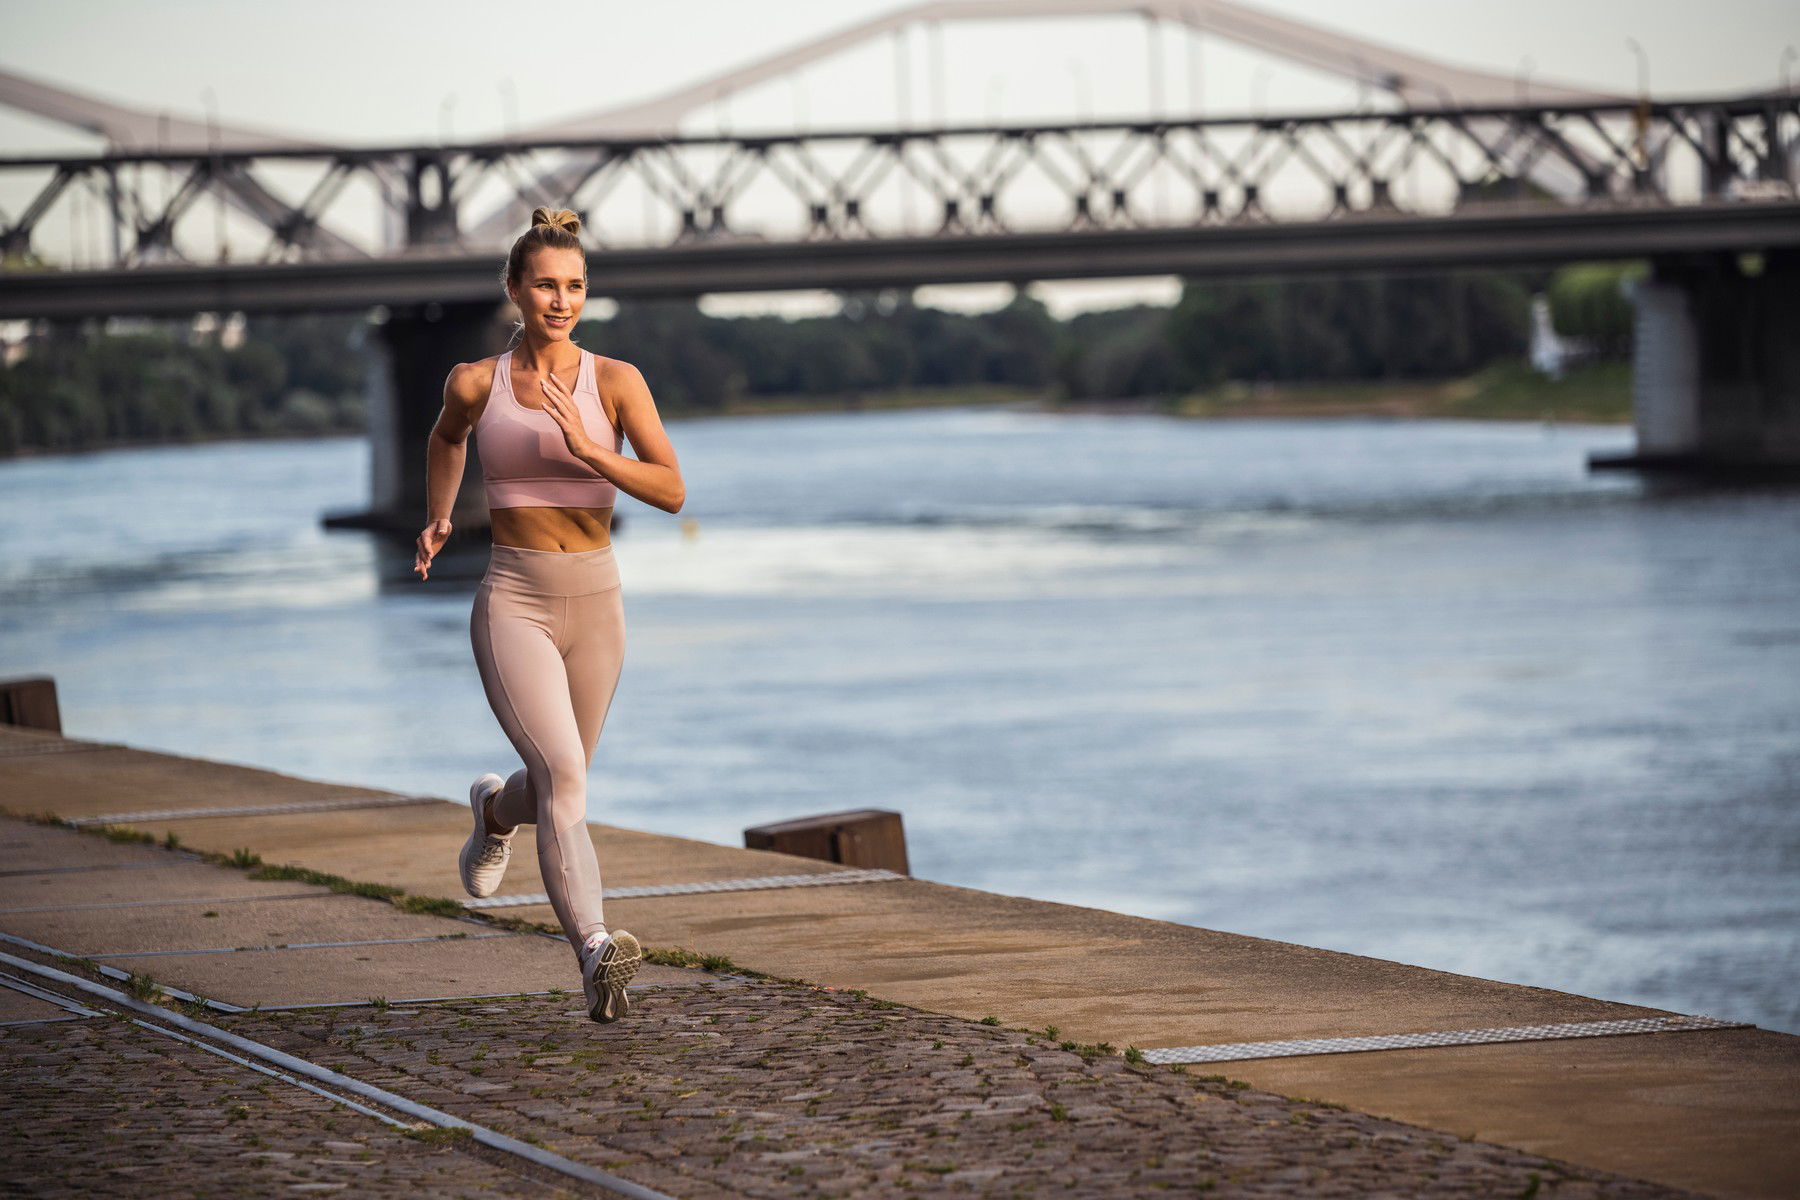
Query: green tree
[[1587, 300]]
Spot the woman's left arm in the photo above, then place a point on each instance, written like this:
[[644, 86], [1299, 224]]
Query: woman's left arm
[[654, 476]]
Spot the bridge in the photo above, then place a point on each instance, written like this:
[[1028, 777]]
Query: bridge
[[1459, 168]]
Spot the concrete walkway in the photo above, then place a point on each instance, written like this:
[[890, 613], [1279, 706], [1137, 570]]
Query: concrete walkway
[[1715, 1111]]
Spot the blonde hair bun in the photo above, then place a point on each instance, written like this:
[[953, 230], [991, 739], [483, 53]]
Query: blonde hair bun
[[557, 218], [551, 229]]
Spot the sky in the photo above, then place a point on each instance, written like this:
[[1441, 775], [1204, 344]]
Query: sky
[[386, 71]]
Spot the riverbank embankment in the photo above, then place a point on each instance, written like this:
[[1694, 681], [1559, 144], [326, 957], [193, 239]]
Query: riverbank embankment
[[864, 1036]]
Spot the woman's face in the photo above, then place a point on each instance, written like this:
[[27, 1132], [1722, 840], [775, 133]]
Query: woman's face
[[550, 292]]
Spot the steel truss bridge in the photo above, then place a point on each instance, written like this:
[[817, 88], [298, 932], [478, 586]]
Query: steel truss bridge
[[1461, 168], [1426, 188], [1464, 167]]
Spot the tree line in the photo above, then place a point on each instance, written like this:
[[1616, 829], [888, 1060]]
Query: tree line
[[305, 375], [75, 389]]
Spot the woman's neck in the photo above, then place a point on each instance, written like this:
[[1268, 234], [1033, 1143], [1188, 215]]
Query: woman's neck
[[539, 356]]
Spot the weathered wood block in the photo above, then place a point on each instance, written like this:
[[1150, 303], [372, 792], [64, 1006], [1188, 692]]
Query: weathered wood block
[[863, 837], [30, 700]]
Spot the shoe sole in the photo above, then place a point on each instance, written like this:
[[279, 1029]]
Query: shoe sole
[[615, 967], [474, 838]]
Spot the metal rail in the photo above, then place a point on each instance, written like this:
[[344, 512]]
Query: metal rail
[[296, 1066]]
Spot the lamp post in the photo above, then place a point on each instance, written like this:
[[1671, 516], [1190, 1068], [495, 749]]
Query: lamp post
[[799, 96], [509, 107], [211, 100], [937, 72], [1193, 47], [1641, 117], [1084, 110], [1643, 61], [722, 111], [902, 80], [1153, 47]]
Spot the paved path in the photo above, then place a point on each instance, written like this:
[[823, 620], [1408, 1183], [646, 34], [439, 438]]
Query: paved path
[[1715, 1111], [104, 1107], [717, 1086]]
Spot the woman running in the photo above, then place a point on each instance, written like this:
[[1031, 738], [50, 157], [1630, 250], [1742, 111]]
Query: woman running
[[548, 623]]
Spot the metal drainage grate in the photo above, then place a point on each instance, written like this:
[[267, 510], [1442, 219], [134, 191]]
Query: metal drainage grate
[[757, 884], [1236, 1051], [256, 810]]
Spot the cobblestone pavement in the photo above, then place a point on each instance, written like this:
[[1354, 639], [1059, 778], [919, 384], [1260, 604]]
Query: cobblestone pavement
[[103, 1107], [762, 1088]]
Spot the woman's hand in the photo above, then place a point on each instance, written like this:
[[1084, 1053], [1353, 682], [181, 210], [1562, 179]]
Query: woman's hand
[[561, 407], [430, 542]]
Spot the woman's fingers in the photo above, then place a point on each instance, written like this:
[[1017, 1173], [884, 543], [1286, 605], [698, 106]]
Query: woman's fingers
[[553, 388], [559, 407]]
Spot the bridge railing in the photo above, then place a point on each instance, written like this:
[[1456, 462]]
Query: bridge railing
[[118, 211]]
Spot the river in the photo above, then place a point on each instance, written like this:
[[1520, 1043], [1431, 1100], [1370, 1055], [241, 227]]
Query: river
[[1429, 691]]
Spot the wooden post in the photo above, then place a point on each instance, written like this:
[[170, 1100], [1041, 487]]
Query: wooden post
[[30, 701], [863, 837]]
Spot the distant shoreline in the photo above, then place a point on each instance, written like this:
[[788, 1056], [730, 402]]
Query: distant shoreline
[[198, 439], [1595, 395]]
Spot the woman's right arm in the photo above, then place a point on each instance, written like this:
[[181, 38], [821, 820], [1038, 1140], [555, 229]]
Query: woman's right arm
[[446, 451]]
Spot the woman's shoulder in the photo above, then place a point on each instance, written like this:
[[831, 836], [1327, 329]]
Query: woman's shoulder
[[470, 382], [614, 373]]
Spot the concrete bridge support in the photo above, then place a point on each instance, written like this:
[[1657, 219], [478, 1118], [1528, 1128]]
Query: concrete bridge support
[[1716, 373], [408, 358]]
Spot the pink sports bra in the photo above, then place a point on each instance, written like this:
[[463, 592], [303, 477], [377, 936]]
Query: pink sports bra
[[524, 460]]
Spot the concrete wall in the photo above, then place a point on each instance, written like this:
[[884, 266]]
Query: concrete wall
[[408, 362], [1717, 362], [1665, 368]]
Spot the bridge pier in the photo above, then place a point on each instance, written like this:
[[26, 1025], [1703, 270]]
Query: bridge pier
[[408, 358], [1716, 370]]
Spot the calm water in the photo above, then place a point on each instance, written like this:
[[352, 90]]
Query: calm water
[[1426, 691]]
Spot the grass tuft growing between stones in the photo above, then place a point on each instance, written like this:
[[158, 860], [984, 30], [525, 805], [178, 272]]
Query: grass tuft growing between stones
[[142, 986], [337, 883], [436, 906], [680, 956], [122, 833]]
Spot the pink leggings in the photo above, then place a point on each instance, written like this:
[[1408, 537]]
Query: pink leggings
[[548, 628]]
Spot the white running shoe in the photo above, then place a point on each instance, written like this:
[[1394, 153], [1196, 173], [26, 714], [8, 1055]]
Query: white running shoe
[[485, 855], [608, 961]]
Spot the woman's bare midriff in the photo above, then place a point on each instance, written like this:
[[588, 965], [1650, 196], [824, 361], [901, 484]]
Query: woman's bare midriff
[[570, 530]]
